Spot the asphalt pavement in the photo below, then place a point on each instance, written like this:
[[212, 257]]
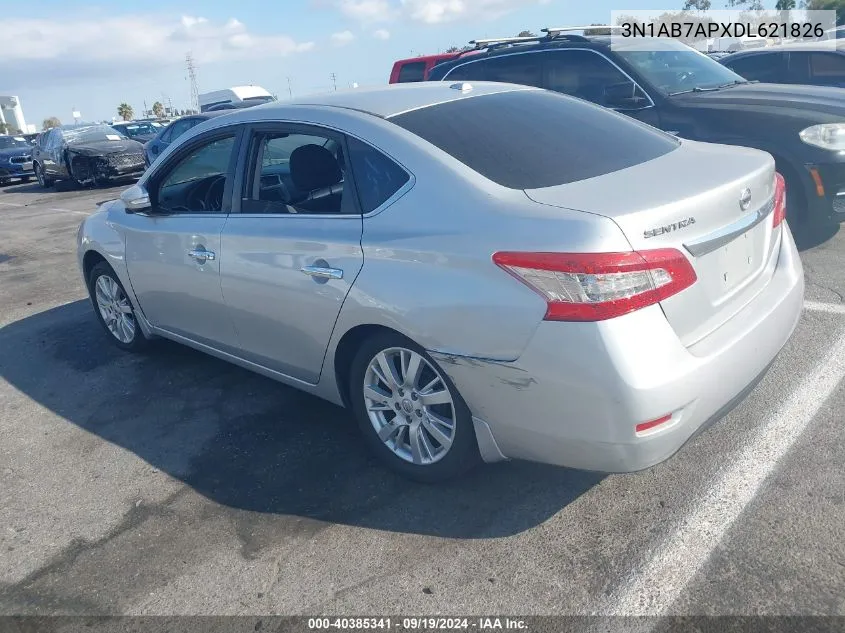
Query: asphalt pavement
[[174, 483]]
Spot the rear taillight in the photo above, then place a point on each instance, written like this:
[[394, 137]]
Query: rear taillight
[[599, 286], [779, 214]]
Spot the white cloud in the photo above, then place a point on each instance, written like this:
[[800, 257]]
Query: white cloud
[[343, 38], [368, 10], [381, 34], [440, 11], [429, 11], [87, 47]]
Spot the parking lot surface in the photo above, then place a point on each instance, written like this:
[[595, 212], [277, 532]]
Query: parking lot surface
[[174, 483]]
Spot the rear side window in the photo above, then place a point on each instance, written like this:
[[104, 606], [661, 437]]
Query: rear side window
[[411, 72], [529, 139], [828, 68], [524, 69], [376, 176]]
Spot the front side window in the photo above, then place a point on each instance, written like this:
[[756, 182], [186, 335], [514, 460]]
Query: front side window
[[590, 76], [196, 184], [376, 176], [177, 129], [292, 173], [54, 141]]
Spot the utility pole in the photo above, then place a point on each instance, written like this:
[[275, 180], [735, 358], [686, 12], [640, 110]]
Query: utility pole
[[334, 80], [145, 108], [192, 78], [290, 90]]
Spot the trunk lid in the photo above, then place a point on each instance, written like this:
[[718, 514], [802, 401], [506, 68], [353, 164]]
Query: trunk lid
[[711, 202]]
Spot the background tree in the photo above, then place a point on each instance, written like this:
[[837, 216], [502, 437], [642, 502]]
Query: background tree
[[51, 122], [526, 34], [158, 109], [598, 31], [785, 5], [751, 5], [831, 5], [458, 49], [4, 128], [125, 112], [698, 5]]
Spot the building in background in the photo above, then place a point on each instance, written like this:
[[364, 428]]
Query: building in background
[[11, 114]]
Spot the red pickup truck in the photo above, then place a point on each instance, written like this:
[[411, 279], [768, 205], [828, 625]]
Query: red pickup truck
[[417, 68]]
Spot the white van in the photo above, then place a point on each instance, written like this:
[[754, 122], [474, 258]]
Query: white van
[[239, 96]]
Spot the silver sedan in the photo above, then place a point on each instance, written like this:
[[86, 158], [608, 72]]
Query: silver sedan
[[478, 271]]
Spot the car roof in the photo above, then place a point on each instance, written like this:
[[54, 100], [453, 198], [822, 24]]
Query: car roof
[[381, 101], [539, 44], [831, 46]]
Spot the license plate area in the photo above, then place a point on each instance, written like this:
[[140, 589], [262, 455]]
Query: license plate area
[[26, 166], [738, 260]]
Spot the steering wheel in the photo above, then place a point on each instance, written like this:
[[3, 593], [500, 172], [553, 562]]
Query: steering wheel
[[213, 199]]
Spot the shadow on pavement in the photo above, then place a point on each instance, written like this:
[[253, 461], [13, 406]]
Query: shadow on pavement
[[249, 443]]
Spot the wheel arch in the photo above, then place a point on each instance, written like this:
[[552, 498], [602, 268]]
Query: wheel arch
[[347, 346], [90, 259]]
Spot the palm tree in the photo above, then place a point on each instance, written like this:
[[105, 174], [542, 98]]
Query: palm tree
[[158, 109], [125, 112]]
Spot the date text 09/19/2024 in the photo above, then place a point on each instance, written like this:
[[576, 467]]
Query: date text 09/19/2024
[[416, 623]]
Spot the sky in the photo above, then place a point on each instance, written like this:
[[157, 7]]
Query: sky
[[90, 56]]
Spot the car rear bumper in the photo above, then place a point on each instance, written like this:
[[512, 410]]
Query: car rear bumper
[[576, 393]]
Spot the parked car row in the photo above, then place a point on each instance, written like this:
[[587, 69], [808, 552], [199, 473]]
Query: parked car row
[[479, 271]]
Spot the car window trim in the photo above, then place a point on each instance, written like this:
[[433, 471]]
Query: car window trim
[[154, 180], [245, 168], [563, 50], [241, 174]]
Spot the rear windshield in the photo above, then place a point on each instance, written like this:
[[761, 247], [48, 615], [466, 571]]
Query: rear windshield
[[529, 139]]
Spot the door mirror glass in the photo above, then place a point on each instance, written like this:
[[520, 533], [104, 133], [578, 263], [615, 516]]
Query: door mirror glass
[[624, 96], [136, 199]]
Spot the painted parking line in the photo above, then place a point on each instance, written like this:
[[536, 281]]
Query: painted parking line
[[654, 588], [832, 308]]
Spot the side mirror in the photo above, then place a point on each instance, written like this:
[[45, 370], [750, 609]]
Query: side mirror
[[136, 199], [624, 96]]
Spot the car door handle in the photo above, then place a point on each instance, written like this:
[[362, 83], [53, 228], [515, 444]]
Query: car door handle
[[202, 254], [321, 272]]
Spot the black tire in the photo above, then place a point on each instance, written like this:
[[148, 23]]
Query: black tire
[[460, 457], [45, 182], [138, 341]]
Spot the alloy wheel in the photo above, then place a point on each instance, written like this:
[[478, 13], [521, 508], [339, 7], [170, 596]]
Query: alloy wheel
[[115, 309], [410, 406]]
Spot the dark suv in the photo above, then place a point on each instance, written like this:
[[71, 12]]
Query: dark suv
[[813, 64], [686, 93]]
